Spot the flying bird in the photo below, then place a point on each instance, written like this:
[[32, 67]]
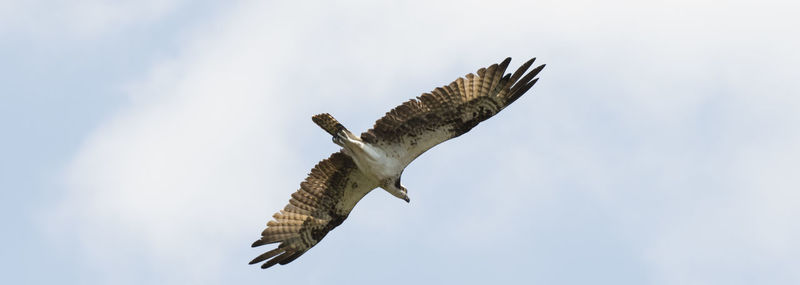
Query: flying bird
[[378, 157]]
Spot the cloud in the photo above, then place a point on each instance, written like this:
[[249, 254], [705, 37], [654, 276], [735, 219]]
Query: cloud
[[81, 19], [658, 139]]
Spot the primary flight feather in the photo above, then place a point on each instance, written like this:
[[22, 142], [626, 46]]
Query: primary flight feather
[[378, 157]]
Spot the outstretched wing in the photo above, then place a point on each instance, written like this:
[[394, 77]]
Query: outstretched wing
[[323, 202], [450, 111]]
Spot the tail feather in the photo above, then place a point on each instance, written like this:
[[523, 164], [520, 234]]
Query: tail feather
[[328, 123]]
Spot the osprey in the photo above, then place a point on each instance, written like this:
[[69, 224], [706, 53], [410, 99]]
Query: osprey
[[378, 157]]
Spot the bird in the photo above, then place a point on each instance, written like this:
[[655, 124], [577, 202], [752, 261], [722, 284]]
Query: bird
[[378, 156]]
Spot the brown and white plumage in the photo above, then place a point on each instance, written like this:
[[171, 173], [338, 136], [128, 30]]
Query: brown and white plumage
[[323, 201], [377, 158], [450, 111]]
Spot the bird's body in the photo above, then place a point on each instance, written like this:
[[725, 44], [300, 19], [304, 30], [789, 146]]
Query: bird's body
[[378, 163], [378, 157]]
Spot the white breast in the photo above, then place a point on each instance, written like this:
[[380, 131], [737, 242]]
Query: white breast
[[376, 162]]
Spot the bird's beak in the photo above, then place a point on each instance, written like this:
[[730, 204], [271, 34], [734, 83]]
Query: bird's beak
[[407, 199]]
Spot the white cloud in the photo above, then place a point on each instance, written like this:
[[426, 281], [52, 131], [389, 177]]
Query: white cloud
[[663, 128], [81, 18]]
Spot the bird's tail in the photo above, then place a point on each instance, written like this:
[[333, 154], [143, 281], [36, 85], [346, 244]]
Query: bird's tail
[[329, 124]]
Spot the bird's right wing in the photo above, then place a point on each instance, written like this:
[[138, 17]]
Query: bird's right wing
[[323, 202], [450, 111]]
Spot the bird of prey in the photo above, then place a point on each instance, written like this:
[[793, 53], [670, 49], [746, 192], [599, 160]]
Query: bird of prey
[[378, 157]]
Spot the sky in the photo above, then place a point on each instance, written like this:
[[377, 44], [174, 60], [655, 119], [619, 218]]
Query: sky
[[149, 142]]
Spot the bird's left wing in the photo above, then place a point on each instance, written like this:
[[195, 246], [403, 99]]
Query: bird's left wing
[[323, 202]]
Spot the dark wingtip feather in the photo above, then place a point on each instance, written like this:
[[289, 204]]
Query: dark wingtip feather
[[522, 91], [524, 84], [291, 258], [536, 70], [267, 255], [527, 78], [521, 70], [505, 63], [279, 259]]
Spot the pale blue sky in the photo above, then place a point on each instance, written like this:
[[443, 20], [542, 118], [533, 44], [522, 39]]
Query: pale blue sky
[[148, 142]]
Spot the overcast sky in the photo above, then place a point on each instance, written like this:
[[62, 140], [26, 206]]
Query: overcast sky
[[148, 142]]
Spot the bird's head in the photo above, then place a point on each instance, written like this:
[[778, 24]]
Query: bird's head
[[397, 190]]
